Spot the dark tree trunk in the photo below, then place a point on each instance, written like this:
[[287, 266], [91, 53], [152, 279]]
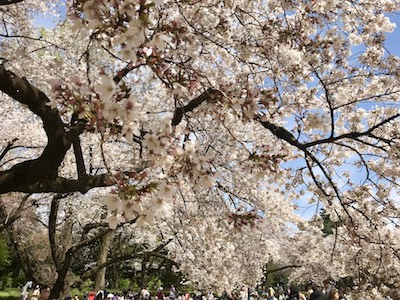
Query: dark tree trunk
[[58, 287]]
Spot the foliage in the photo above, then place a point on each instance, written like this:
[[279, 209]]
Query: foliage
[[4, 253], [4, 262], [87, 285], [124, 283], [10, 293], [329, 226]]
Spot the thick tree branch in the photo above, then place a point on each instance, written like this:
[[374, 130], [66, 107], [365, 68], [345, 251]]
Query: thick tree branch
[[208, 95], [62, 185], [80, 164], [125, 71], [52, 230], [46, 166], [78, 126], [282, 134], [54, 245], [41, 174], [285, 135], [8, 2]]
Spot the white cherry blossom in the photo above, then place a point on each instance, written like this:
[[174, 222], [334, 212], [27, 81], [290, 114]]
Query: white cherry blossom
[[105, 88]]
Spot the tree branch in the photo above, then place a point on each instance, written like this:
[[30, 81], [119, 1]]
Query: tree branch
[[353, 135], [52, 231], [282, 134], [126, 257], [80, 164], [7, 148], [123, 72], [61, 185], [283, 268], [208, 95], [9, 220], [41, 174], [8, 2], [39, 39], [46, 166], [54, 245]]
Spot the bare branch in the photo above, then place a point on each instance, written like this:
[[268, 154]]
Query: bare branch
[[7, 148], [16, 214], [353, 135], [126, 257], [40, 39]]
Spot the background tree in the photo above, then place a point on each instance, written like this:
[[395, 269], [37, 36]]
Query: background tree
[[4, 260]]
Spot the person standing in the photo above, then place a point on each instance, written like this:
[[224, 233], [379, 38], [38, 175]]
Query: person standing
[[35, 293], [333, 294], [144, 294], [160, 294], [271, 293], [317, 295], [44, 292], [172, 295]]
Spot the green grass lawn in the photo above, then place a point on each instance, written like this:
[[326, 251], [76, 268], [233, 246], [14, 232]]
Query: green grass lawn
[[10, 293]]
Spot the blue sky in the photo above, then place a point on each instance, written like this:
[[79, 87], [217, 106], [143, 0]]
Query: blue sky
[[393, 39]]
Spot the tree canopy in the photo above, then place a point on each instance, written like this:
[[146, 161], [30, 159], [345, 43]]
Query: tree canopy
[[208, 123]]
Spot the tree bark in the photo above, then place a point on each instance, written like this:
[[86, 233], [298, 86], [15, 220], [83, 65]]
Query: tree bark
[[67, 243], [143, 277], [58, 287], [100, 281]]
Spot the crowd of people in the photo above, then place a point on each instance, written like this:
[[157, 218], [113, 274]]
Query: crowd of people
[[327, 292], [310, 292], [40, 292]]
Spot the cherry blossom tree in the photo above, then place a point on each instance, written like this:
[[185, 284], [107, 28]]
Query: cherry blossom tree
[[229, 115]]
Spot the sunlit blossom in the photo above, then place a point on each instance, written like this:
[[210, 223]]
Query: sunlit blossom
[[112, 221], [106, 88], [113, 202]]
